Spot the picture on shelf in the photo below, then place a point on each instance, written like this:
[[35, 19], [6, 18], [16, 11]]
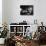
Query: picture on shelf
[[26, 9]]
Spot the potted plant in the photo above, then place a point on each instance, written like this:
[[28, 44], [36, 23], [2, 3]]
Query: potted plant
[[3, 34]]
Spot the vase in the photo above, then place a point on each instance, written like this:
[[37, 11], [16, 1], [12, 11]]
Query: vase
[[2, 40]]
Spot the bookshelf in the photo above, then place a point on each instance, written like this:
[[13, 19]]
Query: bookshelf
[[18, 29]]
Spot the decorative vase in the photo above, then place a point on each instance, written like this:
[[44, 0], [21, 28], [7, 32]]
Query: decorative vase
[[2, 40]]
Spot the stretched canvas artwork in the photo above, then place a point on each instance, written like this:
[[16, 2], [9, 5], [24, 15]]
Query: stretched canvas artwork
[[26, 9]]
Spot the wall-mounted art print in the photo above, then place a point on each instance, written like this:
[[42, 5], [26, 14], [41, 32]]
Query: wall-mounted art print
[[26, 9]]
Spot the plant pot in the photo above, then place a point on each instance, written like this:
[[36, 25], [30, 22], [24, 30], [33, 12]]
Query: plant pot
[[2, 40]]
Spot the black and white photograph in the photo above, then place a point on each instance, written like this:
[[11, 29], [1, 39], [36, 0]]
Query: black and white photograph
[[26, 9]]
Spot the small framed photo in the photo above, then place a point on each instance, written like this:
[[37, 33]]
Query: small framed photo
[[26, 9]]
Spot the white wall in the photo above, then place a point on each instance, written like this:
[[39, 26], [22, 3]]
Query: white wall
[[0, 13], [4, 11], [12, 11]]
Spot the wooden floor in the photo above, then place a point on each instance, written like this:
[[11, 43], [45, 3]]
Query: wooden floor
[[32, 45], [42, 45], [36, 44]]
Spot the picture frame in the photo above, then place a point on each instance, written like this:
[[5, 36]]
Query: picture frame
[[26, 10]]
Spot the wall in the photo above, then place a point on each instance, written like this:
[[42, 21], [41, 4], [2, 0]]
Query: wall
[[12, 11], [0, 13], [4, 11], [15, 13]]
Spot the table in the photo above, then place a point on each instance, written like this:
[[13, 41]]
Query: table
[[23, 42], [26, 42]]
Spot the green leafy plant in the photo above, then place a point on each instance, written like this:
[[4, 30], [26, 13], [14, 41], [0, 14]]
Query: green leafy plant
[[4, 32]]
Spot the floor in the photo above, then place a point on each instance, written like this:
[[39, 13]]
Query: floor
[[36, 44], [33, 45], [42, 45]]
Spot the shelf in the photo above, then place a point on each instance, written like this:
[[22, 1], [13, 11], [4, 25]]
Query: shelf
[[19, 25], [12, 32], [19, 32], [17, 28], [16, 32]]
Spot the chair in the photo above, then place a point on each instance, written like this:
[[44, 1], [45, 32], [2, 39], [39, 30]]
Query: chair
[[9, 42], [42, 37]]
